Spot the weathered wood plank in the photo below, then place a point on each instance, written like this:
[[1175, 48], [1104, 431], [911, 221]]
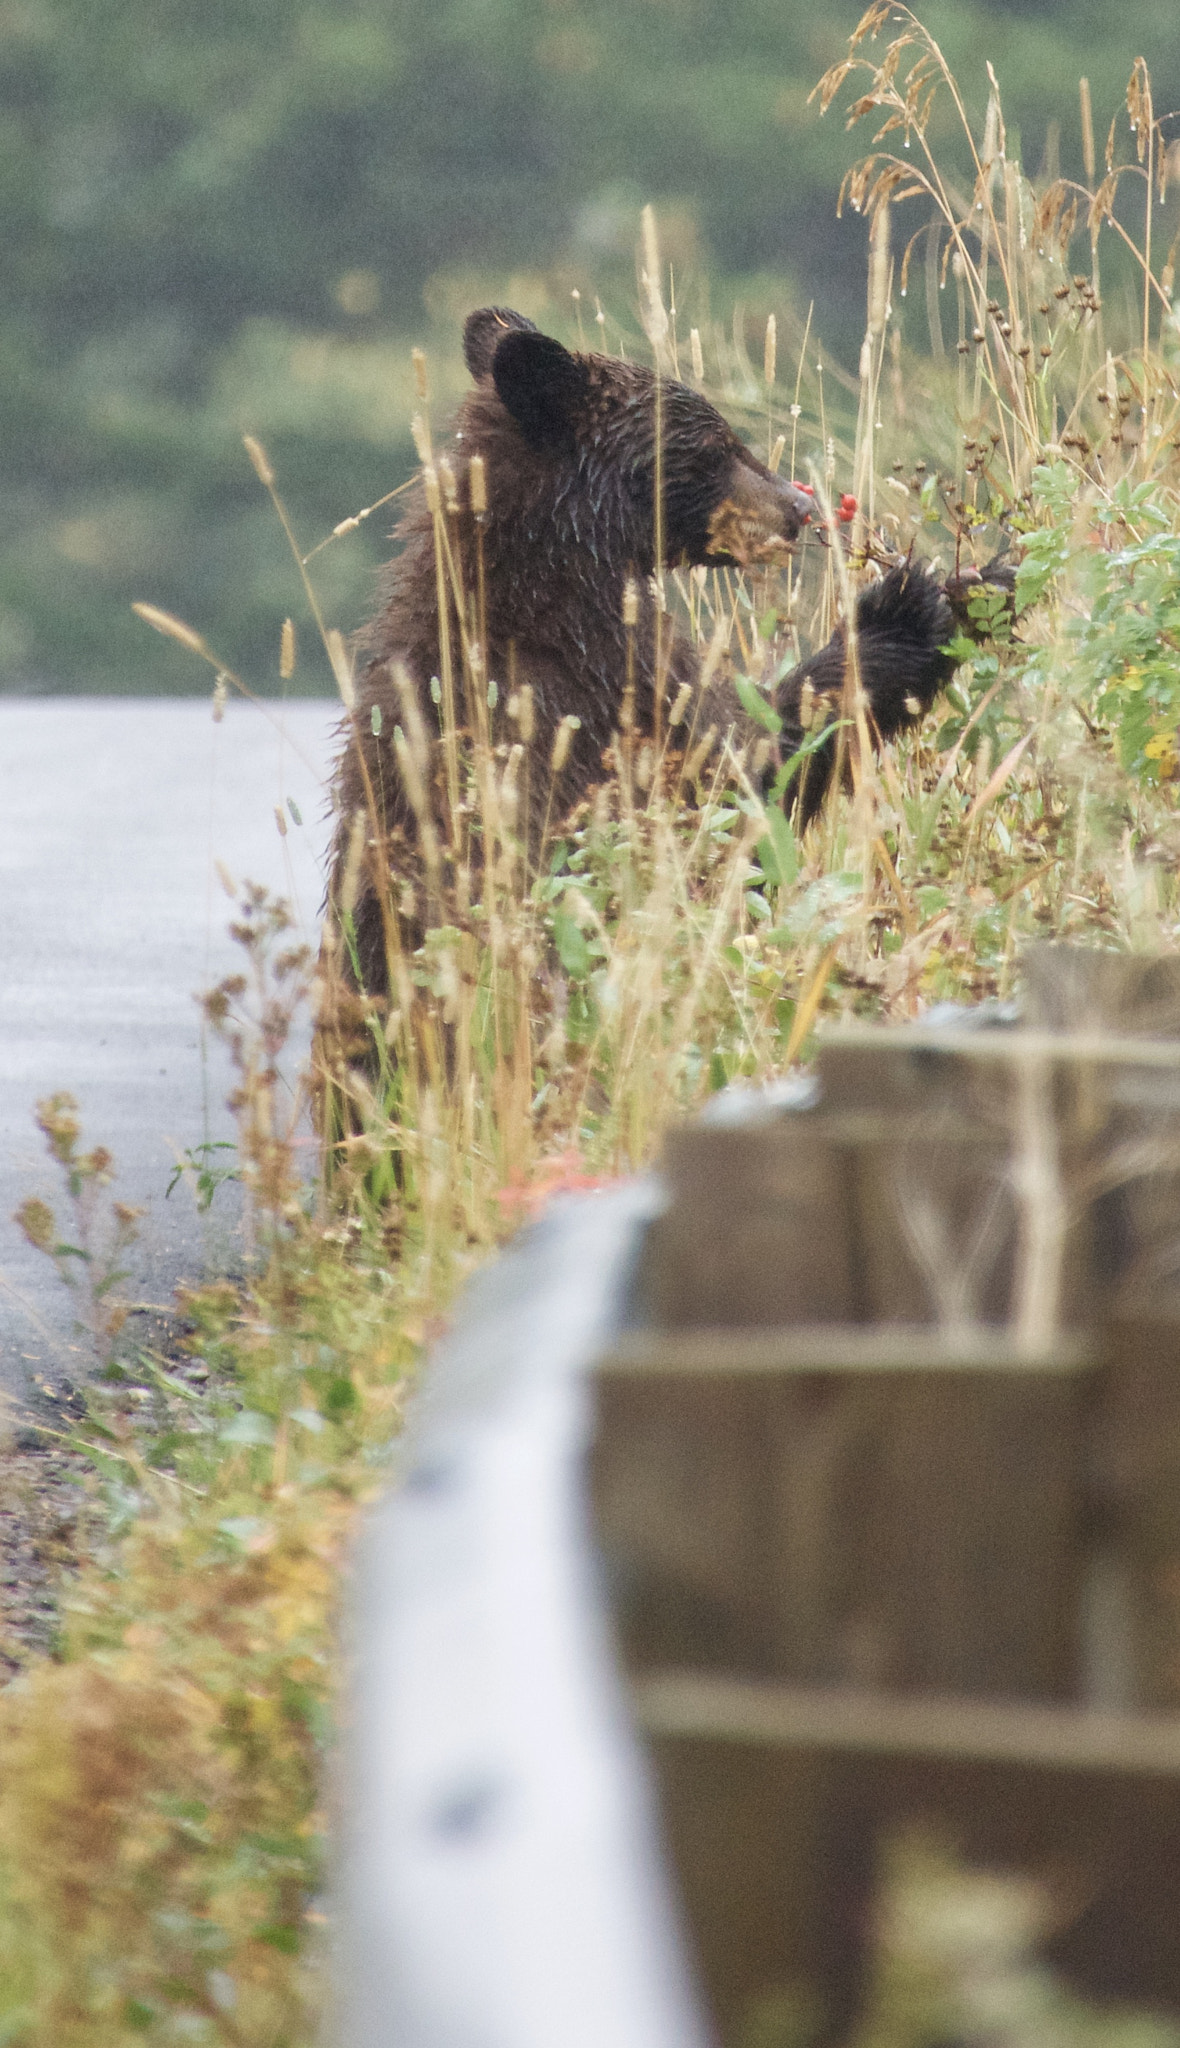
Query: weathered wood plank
[[778, 1846], [1083, 988], [889, 1485], [758, 1232], [926, 1532], [700, 1706], [839, 1347], [682, 1490], [1093, 1048], [840, 1509], [1134, 1449]]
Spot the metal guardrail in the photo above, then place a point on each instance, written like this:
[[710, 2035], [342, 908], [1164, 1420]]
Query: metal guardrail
[[502, 1885]]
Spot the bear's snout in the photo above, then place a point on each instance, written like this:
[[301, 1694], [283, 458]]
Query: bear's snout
[[759, 517]]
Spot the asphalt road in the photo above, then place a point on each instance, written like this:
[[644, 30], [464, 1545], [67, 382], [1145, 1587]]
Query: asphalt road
[[114, 814]]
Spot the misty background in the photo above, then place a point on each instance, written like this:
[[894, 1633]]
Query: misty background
[[230, 216]]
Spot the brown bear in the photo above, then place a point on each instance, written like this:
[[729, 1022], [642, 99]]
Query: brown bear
[[541, 558]]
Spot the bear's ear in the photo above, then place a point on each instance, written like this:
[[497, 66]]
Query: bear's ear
[[484, 331], [542, 385]]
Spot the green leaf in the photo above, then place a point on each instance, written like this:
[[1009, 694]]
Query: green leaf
[[931, 899], [285, 1939], [340, 1397], [987, 608], [811, 745], [778, 853], [1033, 578], [1135, 729], [570, 941], [753, 701], [308, 1418], [248, 1427], [243, 1529]]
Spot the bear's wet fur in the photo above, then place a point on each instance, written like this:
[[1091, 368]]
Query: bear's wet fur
[[568, 446]]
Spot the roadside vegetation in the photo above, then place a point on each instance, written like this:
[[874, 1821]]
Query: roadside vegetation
[[163, 1795]]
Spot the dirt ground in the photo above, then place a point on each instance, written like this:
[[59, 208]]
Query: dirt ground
[[49, 1512]]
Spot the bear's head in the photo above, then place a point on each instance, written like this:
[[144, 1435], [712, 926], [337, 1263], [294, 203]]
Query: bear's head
[[582, 432]]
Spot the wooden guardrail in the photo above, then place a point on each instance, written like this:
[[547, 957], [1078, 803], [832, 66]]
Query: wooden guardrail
[[888, 1486]]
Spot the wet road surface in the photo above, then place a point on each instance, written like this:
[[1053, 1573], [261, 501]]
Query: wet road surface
[[114, 814]]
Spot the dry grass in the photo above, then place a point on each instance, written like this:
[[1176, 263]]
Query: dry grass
[[161, 1778]]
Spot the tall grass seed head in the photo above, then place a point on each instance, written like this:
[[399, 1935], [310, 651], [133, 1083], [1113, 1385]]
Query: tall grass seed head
[[562, 742]]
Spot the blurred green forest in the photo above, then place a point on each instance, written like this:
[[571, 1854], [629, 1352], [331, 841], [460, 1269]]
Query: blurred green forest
[[222, 216]]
